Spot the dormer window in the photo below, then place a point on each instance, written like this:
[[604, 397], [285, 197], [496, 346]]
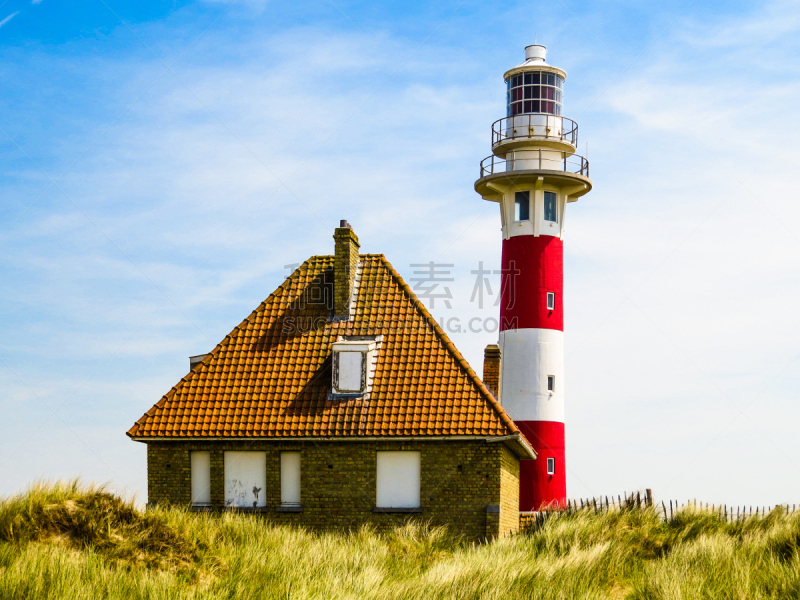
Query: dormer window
[[349, 371], [354, 364]]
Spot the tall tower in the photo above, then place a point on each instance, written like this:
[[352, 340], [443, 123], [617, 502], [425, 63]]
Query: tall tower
[[533, 173]]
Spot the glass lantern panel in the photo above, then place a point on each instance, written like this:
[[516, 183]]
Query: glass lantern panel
[[550, 207], [522, 206]]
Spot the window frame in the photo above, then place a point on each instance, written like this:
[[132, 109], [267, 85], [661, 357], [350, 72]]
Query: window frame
[[551, 384], [551, 465], [519, 202], [554, 207], [368, 346], [337, 371], [551, 301]]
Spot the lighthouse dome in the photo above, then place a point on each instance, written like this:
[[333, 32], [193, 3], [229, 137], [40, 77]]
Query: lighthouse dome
[[535, 56]]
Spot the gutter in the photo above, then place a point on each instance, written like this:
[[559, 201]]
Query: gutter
[[514, 441], [527, 451]]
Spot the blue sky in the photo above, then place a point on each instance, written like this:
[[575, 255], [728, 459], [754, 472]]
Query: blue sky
[[162, 163]]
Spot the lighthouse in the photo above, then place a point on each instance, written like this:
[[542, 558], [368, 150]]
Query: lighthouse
[[533, 174]]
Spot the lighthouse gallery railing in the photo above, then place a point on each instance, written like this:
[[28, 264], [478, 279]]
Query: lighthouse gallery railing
[[542, 159], [535, 125]]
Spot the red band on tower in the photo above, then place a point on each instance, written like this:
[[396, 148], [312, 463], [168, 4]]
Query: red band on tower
[[539, 490], [532, 267]]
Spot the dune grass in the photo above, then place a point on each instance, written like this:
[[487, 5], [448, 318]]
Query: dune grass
[[65, 541]]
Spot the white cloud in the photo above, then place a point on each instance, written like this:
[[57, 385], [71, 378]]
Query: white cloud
[[8, 18], [770, 22]]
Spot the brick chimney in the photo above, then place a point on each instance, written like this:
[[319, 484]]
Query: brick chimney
[[345, 263], [491, 369]]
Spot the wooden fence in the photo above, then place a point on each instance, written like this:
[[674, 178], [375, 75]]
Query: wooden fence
[[666, 509]]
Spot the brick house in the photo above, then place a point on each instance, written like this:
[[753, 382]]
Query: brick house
[[339, 401]]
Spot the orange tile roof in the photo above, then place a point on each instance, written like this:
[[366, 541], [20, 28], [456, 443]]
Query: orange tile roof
[[271, 376]]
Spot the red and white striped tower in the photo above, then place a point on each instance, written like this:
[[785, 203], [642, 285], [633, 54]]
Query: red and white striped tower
[[533, 174]]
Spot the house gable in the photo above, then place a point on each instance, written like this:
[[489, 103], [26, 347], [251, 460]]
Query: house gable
[[271, 376]]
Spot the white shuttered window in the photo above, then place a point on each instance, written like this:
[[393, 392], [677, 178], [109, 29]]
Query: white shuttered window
[[201, 478], [245, 479], [398, 480], [350, 365], [290, 478]]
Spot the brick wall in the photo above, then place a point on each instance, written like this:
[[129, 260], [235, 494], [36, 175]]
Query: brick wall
[[509, 492], [459, 480], [169, 473]]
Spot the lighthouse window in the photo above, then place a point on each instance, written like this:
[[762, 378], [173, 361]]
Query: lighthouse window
[[522, 206], [550, 207], [551, 301], [551, 383], [551, 466], [527, 89]]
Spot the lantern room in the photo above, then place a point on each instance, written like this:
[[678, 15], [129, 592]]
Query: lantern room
[[534, 87], [534, 92]]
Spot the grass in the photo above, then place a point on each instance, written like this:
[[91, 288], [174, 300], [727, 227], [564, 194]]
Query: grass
[[65, 541]]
